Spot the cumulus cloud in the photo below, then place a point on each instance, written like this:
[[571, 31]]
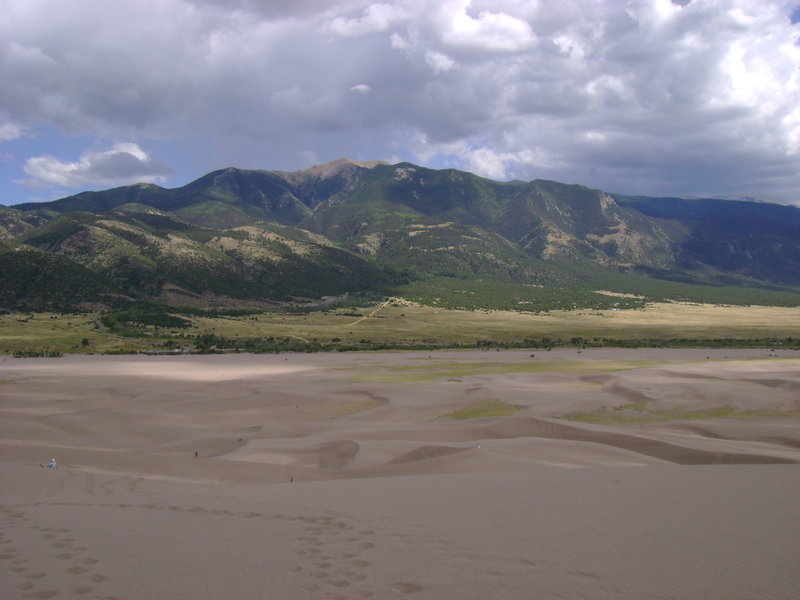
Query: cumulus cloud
[[653, 96], [492, 31], [124, 163], [361, 88], [440, 63], [10, 131], [377, 17]]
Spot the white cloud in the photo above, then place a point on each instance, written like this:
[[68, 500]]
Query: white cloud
[[486, 162], [651, 96], [492, 31], [399, 42], [10, 131], [377, 17], [361, 88], [124, 163], [440, 63]]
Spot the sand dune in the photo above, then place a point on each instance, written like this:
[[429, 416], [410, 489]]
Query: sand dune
[[346, 476]]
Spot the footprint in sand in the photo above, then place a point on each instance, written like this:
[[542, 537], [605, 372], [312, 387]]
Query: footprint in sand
[[43, 595], [407, 588], [76, 570], [37, 575], [586, 575], [81, 591], [340, 583]]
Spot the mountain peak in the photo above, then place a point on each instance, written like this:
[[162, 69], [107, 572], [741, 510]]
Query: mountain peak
[[334, 167]]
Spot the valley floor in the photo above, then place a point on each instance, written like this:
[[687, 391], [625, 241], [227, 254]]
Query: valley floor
[[609, 473]]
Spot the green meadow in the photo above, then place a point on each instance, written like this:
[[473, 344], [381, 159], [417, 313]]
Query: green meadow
[[397, 324]]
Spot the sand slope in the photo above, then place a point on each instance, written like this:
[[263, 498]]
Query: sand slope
[[342, 476]]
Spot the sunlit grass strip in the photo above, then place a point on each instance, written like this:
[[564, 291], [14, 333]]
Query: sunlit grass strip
[[636, 413], [492, 407]]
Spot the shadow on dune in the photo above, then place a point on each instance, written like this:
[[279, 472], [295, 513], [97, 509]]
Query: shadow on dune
[[715, 433], [545, 428], [334, 455], [425, 453]]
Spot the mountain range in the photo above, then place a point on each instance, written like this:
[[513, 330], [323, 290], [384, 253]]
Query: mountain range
[[239, 236]]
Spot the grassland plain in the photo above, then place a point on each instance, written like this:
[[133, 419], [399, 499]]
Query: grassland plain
[[399, 323]]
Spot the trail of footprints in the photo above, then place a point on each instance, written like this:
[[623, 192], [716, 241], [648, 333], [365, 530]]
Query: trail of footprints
[[330, 555], [338, 575], [342, 573], [25, 581]]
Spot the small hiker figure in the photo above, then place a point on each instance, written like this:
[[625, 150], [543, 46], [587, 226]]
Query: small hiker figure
[[477, 444], [53, 464], [195, 454]]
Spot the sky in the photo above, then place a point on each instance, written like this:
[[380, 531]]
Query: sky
[[653, 97]]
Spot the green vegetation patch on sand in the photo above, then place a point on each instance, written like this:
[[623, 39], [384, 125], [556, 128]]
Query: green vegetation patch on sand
[[490, 407], [636, 413], [337, 410], [436, 371]]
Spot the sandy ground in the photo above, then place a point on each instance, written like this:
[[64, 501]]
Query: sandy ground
[[327, 476]]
